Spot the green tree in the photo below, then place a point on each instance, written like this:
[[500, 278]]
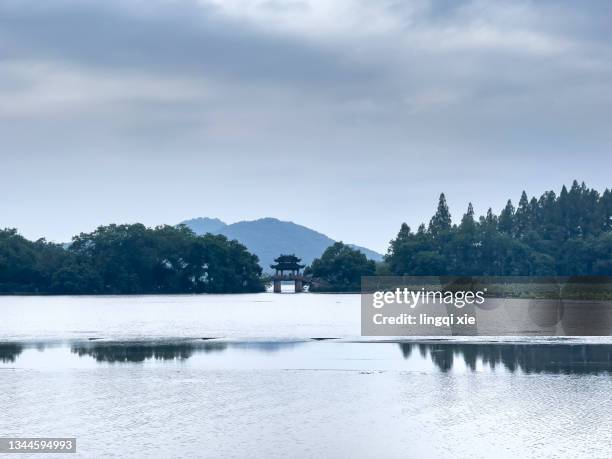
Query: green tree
[[29, 267], [506, 219], [564, 235], [441, 222], [340, 269], [128, 259], [521, 217]]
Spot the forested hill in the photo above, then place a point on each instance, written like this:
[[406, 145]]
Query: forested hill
[[565, 234], [269, 237]]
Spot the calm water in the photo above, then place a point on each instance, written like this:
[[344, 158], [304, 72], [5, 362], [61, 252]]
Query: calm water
[[135, 377], [244, 317]]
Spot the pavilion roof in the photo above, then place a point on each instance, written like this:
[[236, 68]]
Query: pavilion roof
[[287, 259]]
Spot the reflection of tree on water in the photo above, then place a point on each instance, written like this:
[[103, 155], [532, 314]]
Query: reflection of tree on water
[[9, 352], [141, 352], [529, 358]]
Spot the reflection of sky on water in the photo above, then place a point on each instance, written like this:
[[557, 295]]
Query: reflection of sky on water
[[247, 317], [326, 355], [338, 399]]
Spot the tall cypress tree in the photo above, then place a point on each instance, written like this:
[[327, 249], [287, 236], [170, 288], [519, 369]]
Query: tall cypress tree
[[489, 222], [403, 236], [467, 222], [563, 212], [506, 219], [441, 221], [521, 217], [548, 220], [404, 233]]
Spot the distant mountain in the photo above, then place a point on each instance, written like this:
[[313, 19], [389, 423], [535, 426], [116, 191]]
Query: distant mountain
[[269, 237], [205, 225]]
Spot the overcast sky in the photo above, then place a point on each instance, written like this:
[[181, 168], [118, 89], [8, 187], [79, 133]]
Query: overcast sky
[[345, 116]]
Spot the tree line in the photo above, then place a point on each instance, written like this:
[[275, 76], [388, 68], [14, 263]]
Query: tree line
[[128, 259], [565, 235]]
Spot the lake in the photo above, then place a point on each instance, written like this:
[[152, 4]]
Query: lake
[[288, 376]]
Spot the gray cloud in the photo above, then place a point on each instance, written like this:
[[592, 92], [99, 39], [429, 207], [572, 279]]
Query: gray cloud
[[163, 37], [349, 116]]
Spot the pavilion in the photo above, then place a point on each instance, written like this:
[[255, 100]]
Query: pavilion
[[287, 268]]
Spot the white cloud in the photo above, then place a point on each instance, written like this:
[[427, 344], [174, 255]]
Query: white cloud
[[473, 26], [42, 89], [316, 19]]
